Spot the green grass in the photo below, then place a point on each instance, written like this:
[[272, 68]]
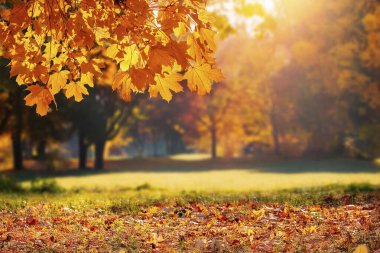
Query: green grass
[[220, 176], [130, 200], [141, 187], [227, 180], [146, 182]]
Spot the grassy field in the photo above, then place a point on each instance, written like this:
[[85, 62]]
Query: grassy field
[[219, 176], [166, 205]]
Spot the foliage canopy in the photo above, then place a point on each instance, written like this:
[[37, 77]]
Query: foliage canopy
[[66, 46]]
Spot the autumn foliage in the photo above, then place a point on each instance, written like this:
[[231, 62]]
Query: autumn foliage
[[66, 46]]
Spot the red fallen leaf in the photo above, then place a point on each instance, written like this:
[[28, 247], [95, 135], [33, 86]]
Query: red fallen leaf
[[158, 204], [303, 217], [6, 238], [254, 246], [109, 221], [235, 242], [196, 208], [52, 238], [222, 217], [369, 207], [284, 215], [30, 220], [84, 223], [334, 230], [346, 200]]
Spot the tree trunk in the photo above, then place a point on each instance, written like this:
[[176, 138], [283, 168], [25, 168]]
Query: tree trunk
[[17, 150], [41, 150], [214, 142], [99, 154], [275, 134], [17, 130], [169, 143], [155, 151], [82, 150]]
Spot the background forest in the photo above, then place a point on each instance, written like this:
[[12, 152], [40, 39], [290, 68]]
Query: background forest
[[301, 81], [280, 155]]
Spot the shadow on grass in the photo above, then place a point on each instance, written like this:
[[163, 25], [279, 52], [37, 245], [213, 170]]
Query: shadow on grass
[[166, 165]]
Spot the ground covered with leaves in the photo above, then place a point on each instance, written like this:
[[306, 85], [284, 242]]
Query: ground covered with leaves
[[318, 220]]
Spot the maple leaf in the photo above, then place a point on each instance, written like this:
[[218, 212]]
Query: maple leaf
[[87, 78], [112, 51], [180, 30], [159, 57], [39, 96], [164, 85], [194, 49], [51, 50], [57, 81], [76, 90], [131, 58], [123, 84], [207, 36], [200, 77]]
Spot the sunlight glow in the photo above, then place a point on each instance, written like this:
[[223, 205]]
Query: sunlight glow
[[269, 5], [248, 24]]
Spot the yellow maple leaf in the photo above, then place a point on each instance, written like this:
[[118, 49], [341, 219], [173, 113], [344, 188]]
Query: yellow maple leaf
[[194, 50], [165, 84], [36, 9], [180, 30], [39, 96], [59, 60], [207, 36], [123, 84], [200, 77], [112, 51], [57, 81], [51, 50], [101, 33], [131, 58], [87, 78], [206, 17], [76, 90]]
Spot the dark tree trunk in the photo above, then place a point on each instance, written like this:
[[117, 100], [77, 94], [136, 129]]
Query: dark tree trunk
[[41, 150], [17, 151], [214, 142], [275, 134], [99, 154], [82, 150], [169, 143], [155, 151], [17, 131]]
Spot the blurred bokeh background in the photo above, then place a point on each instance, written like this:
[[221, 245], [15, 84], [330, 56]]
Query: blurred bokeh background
[[300, 102]]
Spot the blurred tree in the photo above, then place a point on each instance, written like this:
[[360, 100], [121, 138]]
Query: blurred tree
[[160, 124], [42, 131], [12, 113], [99, 119]]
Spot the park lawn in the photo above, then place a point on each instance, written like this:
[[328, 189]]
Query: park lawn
[[221, 176], [143, 219], [217, 181], [196, 207]]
